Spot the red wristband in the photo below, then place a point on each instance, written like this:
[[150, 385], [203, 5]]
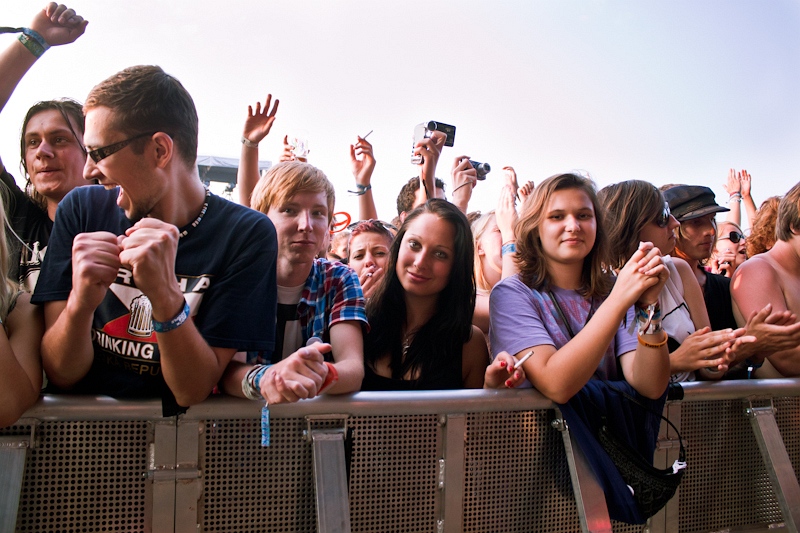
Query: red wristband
[[331, 379]]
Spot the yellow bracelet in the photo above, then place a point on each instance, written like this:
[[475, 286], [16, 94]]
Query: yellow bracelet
[[649, 345]]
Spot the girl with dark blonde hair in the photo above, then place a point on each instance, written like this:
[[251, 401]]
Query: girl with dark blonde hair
[[567, 311]]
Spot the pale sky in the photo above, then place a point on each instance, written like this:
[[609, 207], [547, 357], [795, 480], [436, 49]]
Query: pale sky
[[669, 92]]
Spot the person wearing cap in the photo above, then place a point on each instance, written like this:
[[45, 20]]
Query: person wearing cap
[[694, 206], [769, 283]]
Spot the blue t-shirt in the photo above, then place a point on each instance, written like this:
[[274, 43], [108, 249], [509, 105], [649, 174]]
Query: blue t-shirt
[[522, 317], [225, 267]]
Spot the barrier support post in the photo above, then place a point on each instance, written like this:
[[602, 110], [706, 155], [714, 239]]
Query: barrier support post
[[589, 496], [777, 462], [13, 453], [330, 474]]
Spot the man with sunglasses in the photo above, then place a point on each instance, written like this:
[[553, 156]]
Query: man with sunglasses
[[151, 283], [770, 282]]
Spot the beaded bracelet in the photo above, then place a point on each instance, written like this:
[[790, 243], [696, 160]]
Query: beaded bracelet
[[177, 321], [650, 345]]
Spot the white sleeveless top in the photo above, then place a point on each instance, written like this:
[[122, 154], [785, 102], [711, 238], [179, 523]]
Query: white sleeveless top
[[675, 317]]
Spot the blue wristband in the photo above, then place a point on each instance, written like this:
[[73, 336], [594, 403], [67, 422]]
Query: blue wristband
[[508, 248], [169, 325], [36, 35]]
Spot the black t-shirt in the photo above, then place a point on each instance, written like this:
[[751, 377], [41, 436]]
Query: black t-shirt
[[226, 269], [717, 295], [32, 227]]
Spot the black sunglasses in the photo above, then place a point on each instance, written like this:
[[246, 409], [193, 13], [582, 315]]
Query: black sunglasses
[[733, 236], [101, 153], [663, 218]]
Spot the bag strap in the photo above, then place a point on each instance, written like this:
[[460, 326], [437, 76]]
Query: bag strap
[[682, 452]]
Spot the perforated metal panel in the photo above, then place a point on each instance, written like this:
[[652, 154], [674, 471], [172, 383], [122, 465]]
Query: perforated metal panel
[[726, 484], [517, 477], [248, 488], [787, 415], [394, 473], [84, 477]]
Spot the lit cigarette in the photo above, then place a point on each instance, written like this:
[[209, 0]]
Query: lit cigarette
[[367, 135], [524, 358]]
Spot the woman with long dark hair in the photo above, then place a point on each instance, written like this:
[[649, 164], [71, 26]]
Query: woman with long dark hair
[[421, 333]]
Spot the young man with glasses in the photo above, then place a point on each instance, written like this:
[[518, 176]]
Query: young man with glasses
[[151, 283]]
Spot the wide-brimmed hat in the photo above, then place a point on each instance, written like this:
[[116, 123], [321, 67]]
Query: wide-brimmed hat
[[692, 201]]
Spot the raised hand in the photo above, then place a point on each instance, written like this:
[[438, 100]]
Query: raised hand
[[744, 180], [525, 191], [58, 24], [506, 213], [510, 176], [362, 161], [258, 123], [732, 184]]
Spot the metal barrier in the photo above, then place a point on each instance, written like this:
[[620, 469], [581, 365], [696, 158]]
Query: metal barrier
[[445, 461]]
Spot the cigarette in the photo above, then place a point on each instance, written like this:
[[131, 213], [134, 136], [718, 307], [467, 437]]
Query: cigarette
[[524, 358], [364, 138]]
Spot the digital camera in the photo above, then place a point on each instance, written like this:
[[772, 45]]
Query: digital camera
[[481, 168], [424, 130]]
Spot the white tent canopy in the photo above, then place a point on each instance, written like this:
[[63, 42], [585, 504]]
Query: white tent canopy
[[223, 169]]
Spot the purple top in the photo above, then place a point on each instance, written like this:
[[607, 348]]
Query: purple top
[[522, 317]]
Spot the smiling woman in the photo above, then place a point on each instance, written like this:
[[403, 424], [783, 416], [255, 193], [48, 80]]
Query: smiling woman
[[421, 335], [562, 307]]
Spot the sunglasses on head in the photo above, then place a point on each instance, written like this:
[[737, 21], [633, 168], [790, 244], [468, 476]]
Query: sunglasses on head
[[733, 236], [662, 221], [391, 227]]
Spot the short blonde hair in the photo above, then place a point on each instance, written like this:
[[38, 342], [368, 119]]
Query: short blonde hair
[[287, 179]]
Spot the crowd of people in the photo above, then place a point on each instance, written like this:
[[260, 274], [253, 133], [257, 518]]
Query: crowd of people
[[128, 277]]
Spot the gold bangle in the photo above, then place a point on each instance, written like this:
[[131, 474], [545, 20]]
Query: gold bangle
[[649, 345]]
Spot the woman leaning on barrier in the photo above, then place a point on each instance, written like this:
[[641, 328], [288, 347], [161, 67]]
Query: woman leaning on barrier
[[567, 311], [637, 211], [421, 334], [22, 327]]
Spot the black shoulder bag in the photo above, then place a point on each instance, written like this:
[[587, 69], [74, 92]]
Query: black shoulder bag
[[652, 487]]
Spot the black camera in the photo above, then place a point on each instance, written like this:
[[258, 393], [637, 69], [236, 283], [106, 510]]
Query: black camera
[[481, 168], [424, 130]]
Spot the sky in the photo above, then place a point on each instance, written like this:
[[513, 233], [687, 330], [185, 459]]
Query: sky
[[669, 92]]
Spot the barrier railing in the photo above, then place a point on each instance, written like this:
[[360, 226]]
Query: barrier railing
[[431, 461]]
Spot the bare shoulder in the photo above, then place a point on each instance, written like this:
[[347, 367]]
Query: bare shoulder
[[477, 341], [475, 351], [684, 269], [758, 269]]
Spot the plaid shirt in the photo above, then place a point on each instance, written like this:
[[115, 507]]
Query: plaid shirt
[[332, 294]]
